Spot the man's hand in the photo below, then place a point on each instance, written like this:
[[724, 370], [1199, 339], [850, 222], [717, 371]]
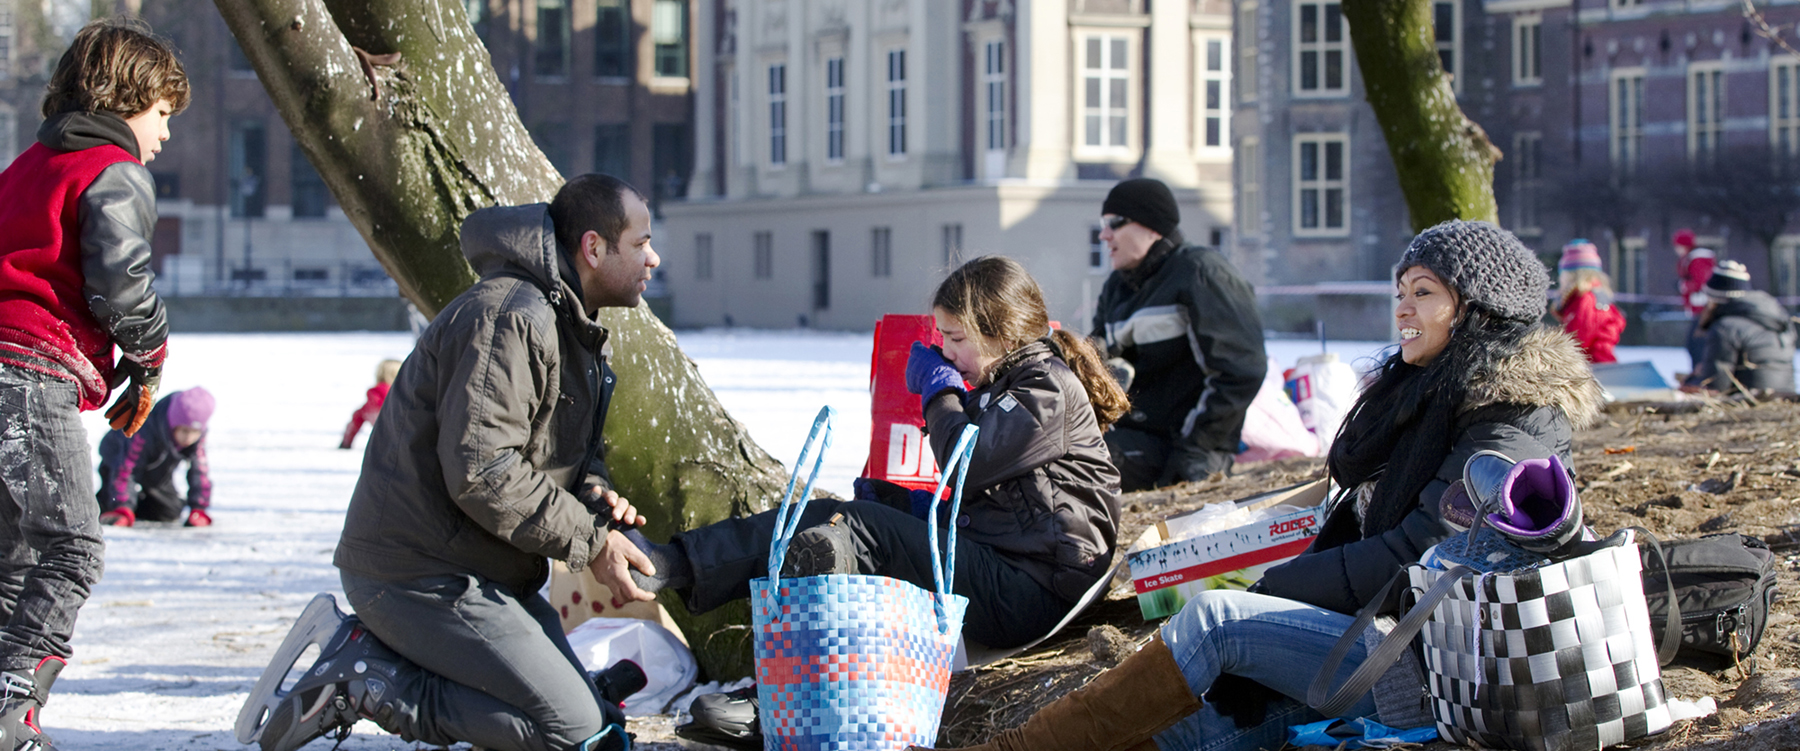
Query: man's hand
[[624, 515], [613, 567]]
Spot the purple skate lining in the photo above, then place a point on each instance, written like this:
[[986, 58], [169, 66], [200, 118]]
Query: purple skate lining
[[1537, 494]]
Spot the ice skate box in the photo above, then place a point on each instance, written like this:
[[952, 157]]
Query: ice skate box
[[898, 451], [1168, 567]]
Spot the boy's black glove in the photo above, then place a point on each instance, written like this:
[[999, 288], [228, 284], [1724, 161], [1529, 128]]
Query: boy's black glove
[[135, 401]]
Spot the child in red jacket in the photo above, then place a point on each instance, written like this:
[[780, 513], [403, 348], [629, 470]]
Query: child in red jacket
[[76, 213], [1587, 310], [384, 378]]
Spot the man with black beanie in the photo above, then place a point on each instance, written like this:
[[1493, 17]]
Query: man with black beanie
[[1181, 328]]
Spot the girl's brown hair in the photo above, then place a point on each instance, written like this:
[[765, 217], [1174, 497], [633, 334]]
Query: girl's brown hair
[[996, 298], [116, 66]]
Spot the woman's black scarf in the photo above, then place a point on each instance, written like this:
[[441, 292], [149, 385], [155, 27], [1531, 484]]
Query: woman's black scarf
[[1403, 426]]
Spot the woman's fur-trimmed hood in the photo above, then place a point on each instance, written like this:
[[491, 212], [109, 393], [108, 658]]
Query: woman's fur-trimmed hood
[[1549, 370]]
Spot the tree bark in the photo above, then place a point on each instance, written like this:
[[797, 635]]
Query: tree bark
[[1444, 160], [410, 148]]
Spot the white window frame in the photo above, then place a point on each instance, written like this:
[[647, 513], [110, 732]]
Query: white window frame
[[777, 114], [1321, 185], [1625, 118], [896, 103], [1100, 82], [1528, 50], [1212, 93], [1784, 94], [1245, 68], [1705, 110], [762, 254], [1454, 46], [1248, 158], [993, 88], [834, 110], [1528, 181], [1323, 49]]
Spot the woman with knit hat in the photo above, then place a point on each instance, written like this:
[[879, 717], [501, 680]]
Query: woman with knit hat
[[137, 473], [1749, 337], [1587, 311], [1474, 371]]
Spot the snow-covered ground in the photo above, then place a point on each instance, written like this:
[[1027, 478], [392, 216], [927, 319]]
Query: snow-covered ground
[[179, 629]]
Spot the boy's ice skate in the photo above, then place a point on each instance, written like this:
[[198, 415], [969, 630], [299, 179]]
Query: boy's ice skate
[[353, 678], [22, 695]]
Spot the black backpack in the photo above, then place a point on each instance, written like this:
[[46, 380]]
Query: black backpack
[[1724, 586]]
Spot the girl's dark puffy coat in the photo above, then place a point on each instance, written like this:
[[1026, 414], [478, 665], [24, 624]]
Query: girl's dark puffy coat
[[1527, 409], [1041, 489]]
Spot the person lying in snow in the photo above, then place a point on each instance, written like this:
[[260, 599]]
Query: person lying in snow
[[137, 473], [1475, 371], [1041, 399], [371, 408]]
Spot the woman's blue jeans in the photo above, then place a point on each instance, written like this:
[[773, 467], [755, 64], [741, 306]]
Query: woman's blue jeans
[[1277, 642]]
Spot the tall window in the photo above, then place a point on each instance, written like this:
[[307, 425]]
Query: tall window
[[993, 82], [1631, 272], [1249, 192], [1706, 111], [896, 91], [6, 50], [1321, 191], [1320, 50], [821, 269], [1784, 107], [1445, 18], [952, 245], [612, 149], [1787, 266], [309, 196], [881, 252], [551, 57], [249, 168], [1528, 175], [834, 109], [1528, 50], [478, 17], [763, 255], [703, 256], [1096, 249], [671, 159], [778, 114], [1106, 87], [1246, 52], [1625, 121], [1214, 81], [612, 38], [669, 31]]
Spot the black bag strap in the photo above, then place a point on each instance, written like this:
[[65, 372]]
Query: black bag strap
[[1670, 639], [1385, 655]]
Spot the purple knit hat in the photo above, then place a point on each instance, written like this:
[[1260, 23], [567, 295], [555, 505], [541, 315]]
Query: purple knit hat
[[191, 408], [1579, 254]]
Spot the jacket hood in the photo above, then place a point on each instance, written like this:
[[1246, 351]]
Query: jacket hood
[[1549, 370], [74, 131], [521, 240], [1759, 308]]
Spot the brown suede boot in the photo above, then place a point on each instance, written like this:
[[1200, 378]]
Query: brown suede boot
[[1120, 710]]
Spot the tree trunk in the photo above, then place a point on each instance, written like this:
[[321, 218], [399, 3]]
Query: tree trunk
[[1444, 160], [409, 149]]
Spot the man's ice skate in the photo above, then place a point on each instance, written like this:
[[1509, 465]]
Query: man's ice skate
[[353, 678], [22, 694]]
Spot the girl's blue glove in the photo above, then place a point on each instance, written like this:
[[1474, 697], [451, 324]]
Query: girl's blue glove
[[928, 373]]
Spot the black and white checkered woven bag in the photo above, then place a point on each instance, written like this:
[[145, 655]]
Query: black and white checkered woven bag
[[1557, 657]]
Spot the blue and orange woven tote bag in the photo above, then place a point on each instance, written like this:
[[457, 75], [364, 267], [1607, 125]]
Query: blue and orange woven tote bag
[[852, 662]]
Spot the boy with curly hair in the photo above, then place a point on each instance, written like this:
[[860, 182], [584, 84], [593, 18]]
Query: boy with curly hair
[[76, 213]]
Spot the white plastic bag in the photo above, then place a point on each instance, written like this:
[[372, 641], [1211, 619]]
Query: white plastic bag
[[1272, 426], [667, 663], [1323, 388]]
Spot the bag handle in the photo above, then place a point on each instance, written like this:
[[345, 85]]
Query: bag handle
[[944, 573], [1670, 639], [1385, 655], [788, 524]]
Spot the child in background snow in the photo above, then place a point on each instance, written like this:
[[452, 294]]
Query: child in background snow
[[137, 472], [1587, 311], [384, 378]]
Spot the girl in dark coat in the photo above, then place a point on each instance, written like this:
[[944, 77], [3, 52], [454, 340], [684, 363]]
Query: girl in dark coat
[[1474, 371]]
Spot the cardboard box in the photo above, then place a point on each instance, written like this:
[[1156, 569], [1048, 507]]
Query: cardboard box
[[1167, 574]]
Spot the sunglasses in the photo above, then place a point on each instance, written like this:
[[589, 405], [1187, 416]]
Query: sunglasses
[[1115, 222]]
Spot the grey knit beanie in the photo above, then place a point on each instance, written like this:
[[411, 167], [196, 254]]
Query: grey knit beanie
[[1486, 265]]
